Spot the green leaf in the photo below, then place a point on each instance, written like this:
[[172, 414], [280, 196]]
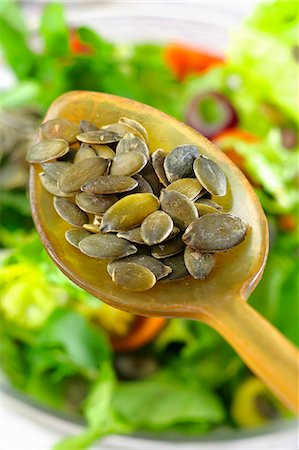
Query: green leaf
[[15, 49], [84, 345], [258, 51], [164, 401], [101, 419], [24, 93], [10, 10], [54, 30]]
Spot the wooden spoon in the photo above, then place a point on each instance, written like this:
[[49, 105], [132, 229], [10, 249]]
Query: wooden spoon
[[218, 301]]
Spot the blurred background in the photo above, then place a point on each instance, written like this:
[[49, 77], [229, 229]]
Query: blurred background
[[70, 365]]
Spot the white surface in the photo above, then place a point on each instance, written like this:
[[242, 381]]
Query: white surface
[[20, 430]]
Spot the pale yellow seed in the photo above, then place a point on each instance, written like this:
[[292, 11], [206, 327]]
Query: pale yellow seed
[[133, 277], [129, 212]]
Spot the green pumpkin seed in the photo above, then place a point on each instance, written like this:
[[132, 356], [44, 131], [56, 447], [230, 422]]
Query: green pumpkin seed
[[128, 164], [122, 129], [106, 246], [168, 248], [199, 265], [60, 129], [150, 176], [143, 186], [92, 227], [104, 151], [210, 175], [51, 186], [75, 235], [55, 169], [47, 150], [215, 232], [98, 137], [179, 270], [136, 125], [158, 158], [130, 143], [94, 204], [133, 277], [69, 212], [204, 208], [84, 152], [187, 186], [86, 126], [133, 235], [156, 267], [179, 162], [179, 207], [174, 232], [156, 228], [68, 157], [209, 202], [84, 171], [110, 184], [129, 212]]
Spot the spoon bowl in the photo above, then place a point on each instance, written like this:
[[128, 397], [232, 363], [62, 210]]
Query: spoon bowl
[[218, 300]]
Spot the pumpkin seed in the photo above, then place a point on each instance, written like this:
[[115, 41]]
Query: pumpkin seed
[[199, 265], [133, 235], [75, 235], [156, 227], [179, 270], [109, 184], [130, 143], [158, 158], [55, 169], [156, 267], [78, 174], [84, 152], [215, 232], [136, 125], [209, 202], [92, 227], [168, 248], [179, 207], [60, 129], [205, 208], [122, 129], [173, 233], [51, 186], [94, 204], [179, 162], [150, 176], [98, 137], [69, 212], [47, 150], [104, 151], [133, 277], [86, 126], [210, 175], [68, 157], [143, 186], [129, 212], [187, 186], [128, 164], [106, 246]]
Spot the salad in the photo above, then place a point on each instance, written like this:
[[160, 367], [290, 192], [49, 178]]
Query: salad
[[65, 349]]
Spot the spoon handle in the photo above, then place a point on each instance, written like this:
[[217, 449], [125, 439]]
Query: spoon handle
[[262, 347]]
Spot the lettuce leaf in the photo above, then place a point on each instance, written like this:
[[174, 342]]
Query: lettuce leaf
[[261, 52], [164, 401]]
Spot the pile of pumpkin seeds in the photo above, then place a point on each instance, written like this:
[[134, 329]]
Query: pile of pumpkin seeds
[[152, 216]]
